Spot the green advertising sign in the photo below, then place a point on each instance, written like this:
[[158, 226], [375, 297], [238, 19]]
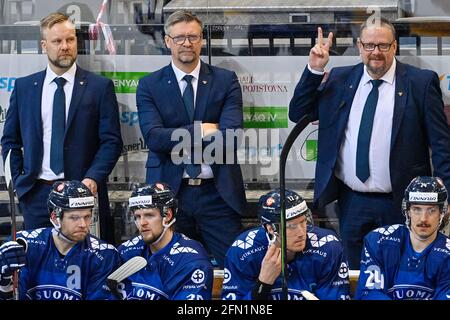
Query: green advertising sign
[[124, 82], [265, 117], [311, 150]]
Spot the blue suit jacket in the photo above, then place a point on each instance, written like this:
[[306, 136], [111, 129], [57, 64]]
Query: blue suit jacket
[[161, 111], [419, 123], [92, 142]]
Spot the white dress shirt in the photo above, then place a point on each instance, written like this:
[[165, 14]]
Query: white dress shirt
[[380, 142], [48, 91], [206, 169]]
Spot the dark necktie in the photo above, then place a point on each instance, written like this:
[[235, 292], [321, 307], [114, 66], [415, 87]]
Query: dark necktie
[[365, 132], [188, 97], [193, 170], [58, 127]]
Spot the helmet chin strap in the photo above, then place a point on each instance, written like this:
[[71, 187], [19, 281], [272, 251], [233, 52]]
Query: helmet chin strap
[[166, 226], [57, 230]]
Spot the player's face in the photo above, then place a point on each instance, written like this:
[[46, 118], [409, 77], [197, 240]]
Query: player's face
[[296, 234], [185, 53], [377, 62], [424, 219], [149, 224], [75, 224], [60, 44]]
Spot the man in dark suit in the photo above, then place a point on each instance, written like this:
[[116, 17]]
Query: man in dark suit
[[378, 120], [62, 123], [169, 101]]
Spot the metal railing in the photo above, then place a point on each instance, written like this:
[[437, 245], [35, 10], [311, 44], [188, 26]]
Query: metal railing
[[237, 40]]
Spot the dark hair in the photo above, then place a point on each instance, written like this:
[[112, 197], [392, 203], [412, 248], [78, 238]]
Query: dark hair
[[181, 16], [381, 22], [53, 18]]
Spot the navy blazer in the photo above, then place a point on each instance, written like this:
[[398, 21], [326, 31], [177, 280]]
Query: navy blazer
[[419, 123], [92, 141], [161, 111]]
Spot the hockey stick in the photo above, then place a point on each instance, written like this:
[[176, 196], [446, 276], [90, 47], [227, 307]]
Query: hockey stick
[[12, 204], [308, 295], [299, 127], [124, 271]]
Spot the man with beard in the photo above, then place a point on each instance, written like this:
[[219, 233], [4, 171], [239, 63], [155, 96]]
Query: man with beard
[[177, 267], [378, 122], [65, 262], [411, 261], [62, 123], [189, 105], [316, 265]]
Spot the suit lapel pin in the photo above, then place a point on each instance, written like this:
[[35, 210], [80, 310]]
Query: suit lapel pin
[[35, 83], [351, 86], [205, 82], [400, 93], [169, 82], [81, 82]]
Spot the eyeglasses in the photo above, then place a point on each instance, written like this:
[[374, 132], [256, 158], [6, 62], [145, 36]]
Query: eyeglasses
[[179, 40], [383, 47]]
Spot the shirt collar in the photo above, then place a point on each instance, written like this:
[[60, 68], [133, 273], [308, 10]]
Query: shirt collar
[[69, 75], [387, 77], [180, 74]]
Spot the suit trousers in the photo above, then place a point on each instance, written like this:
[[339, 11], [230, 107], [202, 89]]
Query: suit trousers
[[34, 208], [204, 216], [359, 213]]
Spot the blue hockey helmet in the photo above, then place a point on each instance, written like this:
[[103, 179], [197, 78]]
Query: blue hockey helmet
[[157, 195], [69, 195], [269, 207], [425, 190]]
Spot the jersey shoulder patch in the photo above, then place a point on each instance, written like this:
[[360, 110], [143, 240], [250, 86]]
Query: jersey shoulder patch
[[177, 248], [30, 234], [100, 245], [321, 238], [247, 242], [388, 230]]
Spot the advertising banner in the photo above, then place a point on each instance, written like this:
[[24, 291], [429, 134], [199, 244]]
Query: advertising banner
[[267, 84]]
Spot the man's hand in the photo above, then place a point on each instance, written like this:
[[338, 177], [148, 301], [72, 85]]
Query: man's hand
[[320, 53], [271, 265], [12, 257], [91, 184], [209, 128]]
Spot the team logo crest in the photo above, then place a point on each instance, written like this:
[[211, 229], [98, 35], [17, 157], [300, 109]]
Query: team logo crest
[[198, 276], [343, 271], [160, 186], [226, 275], [60, 187], [270, 201]]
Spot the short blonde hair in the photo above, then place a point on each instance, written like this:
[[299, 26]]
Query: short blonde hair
[[53, 18], [181, 16]]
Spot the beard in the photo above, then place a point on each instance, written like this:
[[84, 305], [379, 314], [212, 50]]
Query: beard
[[63, 62], [187, 58], [377, 71]]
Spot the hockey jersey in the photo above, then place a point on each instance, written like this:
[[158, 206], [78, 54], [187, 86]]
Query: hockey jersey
[[79, 275], [391, 269], [320, 268], [179, 271]]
